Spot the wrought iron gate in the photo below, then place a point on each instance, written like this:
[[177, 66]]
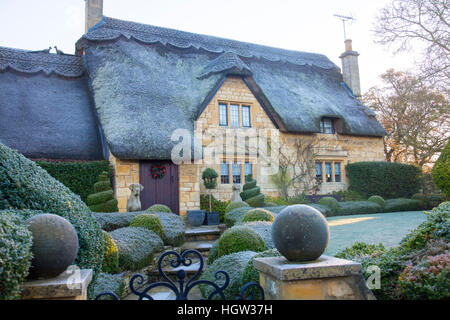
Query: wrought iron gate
[[248, 292]]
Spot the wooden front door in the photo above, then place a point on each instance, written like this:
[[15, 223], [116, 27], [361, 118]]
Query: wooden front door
[[161, 191]]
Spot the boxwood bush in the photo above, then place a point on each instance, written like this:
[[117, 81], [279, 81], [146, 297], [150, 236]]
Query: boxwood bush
[[325, 210], [173, 225], [148, 221], [258, 214], [250, 273], [378, 200], [79, 177], [331, 203], [386, 179], [25, 185], [15, 254], [234, 264], [111, 256], [240, 238], [136, 247], [358, 207], [213, 252], [428, 201], [394, 205], [109, 282], [235, 216], [159, 208], [264, 229], [236, 204]]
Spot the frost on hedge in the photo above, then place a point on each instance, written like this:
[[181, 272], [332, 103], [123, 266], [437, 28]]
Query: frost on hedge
[[401, 204], [240, 238], [109, 282], [174, 225], [25, 185], [159, 208], [236, 216], [358, 207], [264, 229], [250, 273], [15, 254], [136, 246], [234, 264]]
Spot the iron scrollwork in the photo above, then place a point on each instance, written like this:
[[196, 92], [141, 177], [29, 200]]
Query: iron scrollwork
[[248, 292]]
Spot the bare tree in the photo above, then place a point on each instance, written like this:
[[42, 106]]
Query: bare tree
[[406, 24], [297, 168], [415, 116]]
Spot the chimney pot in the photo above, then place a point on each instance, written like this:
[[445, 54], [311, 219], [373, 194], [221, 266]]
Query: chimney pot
[[348, 45]]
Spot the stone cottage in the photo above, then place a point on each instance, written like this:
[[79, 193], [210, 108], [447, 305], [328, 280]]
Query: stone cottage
[[131, 86]]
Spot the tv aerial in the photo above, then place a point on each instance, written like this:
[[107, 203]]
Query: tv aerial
[[344, 19]]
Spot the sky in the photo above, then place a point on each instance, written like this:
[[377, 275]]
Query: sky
[[302, 25]]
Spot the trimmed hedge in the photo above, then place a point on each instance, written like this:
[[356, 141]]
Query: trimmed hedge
[[428, 201], [394, 205], [358, 207], [159, 208], [258, 214], [25, 185], [79, 177], [441, 171], [235, 216], [331, 203], [15, 254], [150, 222], [213, 252], [378, 200], [256, 201], [174, 225], [109, 282], [136, 247], [111, 256], [387, 179], [325, 210], [234, 264], [250, 273], [102, 201], [240, 238], [252, 193], [264, 229]]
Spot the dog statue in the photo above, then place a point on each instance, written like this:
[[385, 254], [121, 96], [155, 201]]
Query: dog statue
[[134, 203]]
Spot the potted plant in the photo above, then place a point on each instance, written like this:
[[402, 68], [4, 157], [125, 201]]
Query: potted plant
[[209, 177]]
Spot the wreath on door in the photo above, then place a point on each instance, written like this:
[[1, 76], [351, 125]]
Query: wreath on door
[[158, 171]]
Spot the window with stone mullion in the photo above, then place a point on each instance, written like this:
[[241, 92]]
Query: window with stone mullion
[[234, 115]]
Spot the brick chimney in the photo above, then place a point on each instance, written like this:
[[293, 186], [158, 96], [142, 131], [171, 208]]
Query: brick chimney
[[93, 13], [350, 68]]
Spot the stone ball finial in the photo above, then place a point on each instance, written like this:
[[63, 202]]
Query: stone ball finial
[[300, 233], [55, 245]]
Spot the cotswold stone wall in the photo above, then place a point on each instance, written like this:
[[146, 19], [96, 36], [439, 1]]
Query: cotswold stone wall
[[189, 187], [126, 172]]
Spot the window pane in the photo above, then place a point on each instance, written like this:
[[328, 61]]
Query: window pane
[[337, 172], [236, 173], [319, 171], [246, 116], [234, 115], [223, 118], [326, 125], [247, 170], [224, 173], [328, 171]]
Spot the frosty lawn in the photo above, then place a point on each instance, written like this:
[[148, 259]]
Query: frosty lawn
[[387, 228]]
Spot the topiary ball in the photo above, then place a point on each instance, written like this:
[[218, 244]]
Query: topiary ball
[[239, 238], [55, 245], [331, 202], [378, 200], [148, 221], [159, 208], [300, 233], [236, 204], [258, 215]]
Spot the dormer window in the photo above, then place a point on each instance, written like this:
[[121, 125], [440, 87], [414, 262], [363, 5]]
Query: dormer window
[[327, 125], [234, 115]]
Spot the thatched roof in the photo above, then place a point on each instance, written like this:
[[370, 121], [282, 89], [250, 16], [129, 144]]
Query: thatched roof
[[45, 108], [148, 81]]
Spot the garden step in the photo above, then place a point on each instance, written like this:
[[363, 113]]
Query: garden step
[[201, 246], [204, 233]]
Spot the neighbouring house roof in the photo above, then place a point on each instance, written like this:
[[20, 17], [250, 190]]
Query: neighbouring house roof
[[45, 108], [148, 81]]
